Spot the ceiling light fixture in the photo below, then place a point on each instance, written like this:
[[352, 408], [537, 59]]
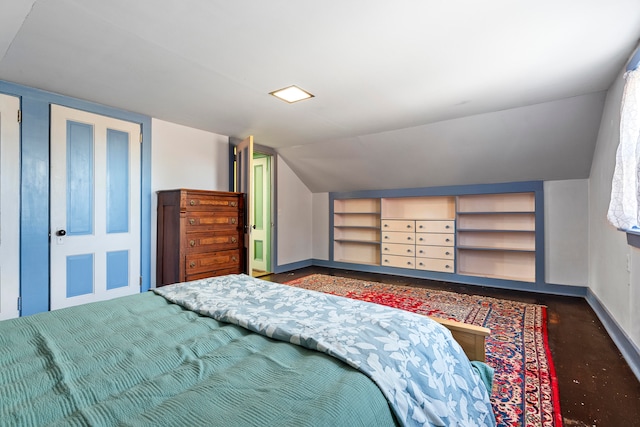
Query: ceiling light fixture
[[291, 94]]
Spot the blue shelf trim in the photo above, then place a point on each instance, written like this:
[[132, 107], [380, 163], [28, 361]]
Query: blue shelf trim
[[34, 189]]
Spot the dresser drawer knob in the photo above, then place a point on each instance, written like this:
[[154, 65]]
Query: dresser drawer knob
[[447, 253], [233, 220], [409, 238], [234, 259], [386, 225], [447, 240], [192, 243], [192, 202], [192, 264], [408, 251], [234, 240], [233, 204], [408, 225], [408, 262], [447, 266], [192, 221], [447, 227], [386, 237]]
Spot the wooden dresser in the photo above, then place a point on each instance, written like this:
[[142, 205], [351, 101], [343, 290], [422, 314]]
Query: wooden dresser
[[200, 234]]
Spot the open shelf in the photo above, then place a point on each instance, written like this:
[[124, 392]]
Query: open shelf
[[356, 231], [496, 236], [417, 208], [497, 264]]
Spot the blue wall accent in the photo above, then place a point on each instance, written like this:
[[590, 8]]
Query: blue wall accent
[[80, 166], [34, 203], [80, 275], [634, 62], [117, 269], [117, 181]]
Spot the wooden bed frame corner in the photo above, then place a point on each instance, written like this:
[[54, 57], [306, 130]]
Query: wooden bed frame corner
[[470, 337]]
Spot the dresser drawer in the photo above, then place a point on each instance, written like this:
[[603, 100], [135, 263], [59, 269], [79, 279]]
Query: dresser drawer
[[435, 226], [434, 239], [433, 264], [200, 263], [398, 249], [398, 261], [195, 201], [444, 252], [205, 221], [398, 225], [212, 242], [398, 237], [213, 273]]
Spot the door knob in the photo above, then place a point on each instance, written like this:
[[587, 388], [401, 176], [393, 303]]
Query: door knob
[[61, 233]]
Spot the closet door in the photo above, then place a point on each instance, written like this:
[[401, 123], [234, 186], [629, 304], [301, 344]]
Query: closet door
[[9, 206], [95, 207]]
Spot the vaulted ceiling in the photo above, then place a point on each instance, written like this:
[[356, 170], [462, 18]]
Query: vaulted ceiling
[[408, 93]]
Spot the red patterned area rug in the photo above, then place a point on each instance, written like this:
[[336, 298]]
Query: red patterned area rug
[[525, 390]]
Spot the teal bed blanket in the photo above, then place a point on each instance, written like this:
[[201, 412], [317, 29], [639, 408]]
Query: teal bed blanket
[[419, 367], [142, 361]]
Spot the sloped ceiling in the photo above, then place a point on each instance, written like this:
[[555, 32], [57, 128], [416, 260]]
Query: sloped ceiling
[[408, 93]]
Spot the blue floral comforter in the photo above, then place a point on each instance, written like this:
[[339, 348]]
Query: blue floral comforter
[[420, 368]]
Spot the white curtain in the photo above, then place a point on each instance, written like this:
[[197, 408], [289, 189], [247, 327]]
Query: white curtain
[[623, 208]]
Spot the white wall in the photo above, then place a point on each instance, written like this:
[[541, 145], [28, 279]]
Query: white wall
[[566, 232], [184, 157], [320, 203], [295, 218], [614, 266]]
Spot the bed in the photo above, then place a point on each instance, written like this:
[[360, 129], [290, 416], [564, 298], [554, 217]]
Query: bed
[[235, 350]]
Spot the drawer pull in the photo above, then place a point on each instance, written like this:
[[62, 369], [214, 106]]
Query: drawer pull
[[386, 225], [192, 243], [409, 238], [447, 266], [233, 204], [421, 227], [408, 262], [234, 258], [192, 202], [386, 237], [421, 264], [421, 239], [408, 225], [386, 260], [447, 227], [234, 240], [386, 248], [447, 240], [192, 221], [447, 253], [233, 220], [192, 264], [408, 251]]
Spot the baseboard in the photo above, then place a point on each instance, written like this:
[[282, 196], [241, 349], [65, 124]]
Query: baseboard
[[293, 266], [629, 350]]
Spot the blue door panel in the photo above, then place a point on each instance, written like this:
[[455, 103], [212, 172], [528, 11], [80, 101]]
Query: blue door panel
[[80, 161], [117, 181]]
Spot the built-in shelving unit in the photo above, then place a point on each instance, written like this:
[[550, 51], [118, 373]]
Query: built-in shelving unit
[[497, 236], [356, 231], [475, 234]]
